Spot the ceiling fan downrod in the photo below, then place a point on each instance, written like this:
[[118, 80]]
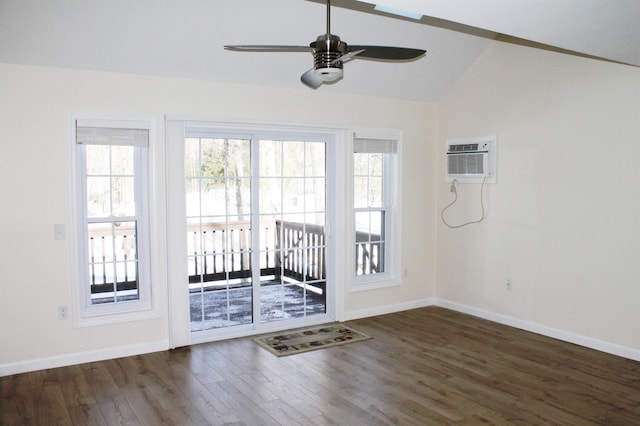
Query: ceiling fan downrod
[[328, 17]]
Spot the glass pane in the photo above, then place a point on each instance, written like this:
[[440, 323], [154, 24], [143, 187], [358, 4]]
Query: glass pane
[[217, 269], [239, 158], [315, 159], [375, 192], [123, 196], [125, 241], [314, 235], [212, 197], [293, 195], [239, 198], [316, 299], [100, 242], [360, 164], [240, 306], [194, 239], [270, 195], [269, 233], [98, 196], [293, 158], [377, 225], [238, 236], [362, 224], [271, 301], [128, 271], [315, 258], [97, 159], [195, 309], [295, 220], [369, 242], [122, 160], [360, 192], [270, 161], [191, 270], [315, 194], [270, 265], [191, 157], [215, 309], [208, 239], [192, 190], [212, 157], [98, 273], [375, 164], [316, 219], [294, 301], [293, 264]]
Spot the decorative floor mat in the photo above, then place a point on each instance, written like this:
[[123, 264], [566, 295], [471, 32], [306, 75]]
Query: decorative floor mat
[[309, 339]]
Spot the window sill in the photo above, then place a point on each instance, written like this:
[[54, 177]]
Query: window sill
[[373, 283], [96, 317]]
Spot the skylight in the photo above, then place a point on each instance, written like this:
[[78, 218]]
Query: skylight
[[399, 12]]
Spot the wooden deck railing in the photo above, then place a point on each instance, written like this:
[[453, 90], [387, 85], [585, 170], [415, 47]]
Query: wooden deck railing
[[288, 249], [369, 253], [218, 252], [113, 250]]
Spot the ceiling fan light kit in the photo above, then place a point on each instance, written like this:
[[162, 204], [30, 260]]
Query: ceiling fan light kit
[[329, 75], [330, 53]]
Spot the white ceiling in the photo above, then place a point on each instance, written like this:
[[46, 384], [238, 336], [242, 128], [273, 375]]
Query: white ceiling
[[185, 38], [599, 28]]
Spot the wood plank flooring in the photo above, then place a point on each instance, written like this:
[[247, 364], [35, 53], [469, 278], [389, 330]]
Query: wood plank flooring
[[425, 366]]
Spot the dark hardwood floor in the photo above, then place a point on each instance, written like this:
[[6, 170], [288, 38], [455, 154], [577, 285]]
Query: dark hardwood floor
[[425, 366]]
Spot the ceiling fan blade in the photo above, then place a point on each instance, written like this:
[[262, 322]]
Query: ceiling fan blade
[[311, 79], [267, 48], [387, 52], [346, 57]]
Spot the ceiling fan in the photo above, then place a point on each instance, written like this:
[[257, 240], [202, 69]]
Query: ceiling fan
[[330, 53]]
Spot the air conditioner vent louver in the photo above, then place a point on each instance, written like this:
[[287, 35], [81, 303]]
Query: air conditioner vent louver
[[463, 147], [466, 164], [471, 160]]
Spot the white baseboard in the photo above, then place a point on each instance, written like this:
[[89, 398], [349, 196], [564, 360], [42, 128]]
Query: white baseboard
[[389, 309], [163, 345], [82, 357], [567, 336]]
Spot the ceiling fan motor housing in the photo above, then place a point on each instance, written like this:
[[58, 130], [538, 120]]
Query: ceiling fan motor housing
[[326, 49]]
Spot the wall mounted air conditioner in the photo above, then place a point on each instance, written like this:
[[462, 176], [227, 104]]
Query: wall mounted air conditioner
[[472, 160]]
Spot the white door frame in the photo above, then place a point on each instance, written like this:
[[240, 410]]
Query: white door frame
[[178, 300]]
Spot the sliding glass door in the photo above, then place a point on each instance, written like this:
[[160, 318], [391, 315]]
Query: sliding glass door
[[256, 221], [219, 243], [292, 191]]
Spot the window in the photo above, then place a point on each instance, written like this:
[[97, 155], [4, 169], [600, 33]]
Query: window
[[375, 192], [111, 159]]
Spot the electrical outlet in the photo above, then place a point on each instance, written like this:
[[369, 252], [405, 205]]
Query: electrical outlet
[[63, 312], [509, 284]]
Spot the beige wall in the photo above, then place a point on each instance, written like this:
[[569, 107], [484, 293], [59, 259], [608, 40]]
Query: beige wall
[[34, 107], [564, 216]]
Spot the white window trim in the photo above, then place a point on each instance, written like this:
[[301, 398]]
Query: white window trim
[[391, 277], [82, 313]]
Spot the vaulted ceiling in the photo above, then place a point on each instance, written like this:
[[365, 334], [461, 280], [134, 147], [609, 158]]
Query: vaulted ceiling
[[185, 38]]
